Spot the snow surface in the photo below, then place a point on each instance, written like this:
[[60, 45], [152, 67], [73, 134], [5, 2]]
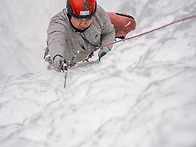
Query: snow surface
[[142, 94]]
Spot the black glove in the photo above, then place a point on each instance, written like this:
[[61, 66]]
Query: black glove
[[59, 64], [103, 51], [101, 55]]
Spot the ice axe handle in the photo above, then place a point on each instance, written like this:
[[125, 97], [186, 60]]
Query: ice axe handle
[[65, 72]]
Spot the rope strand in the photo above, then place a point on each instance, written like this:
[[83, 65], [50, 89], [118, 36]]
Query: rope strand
[[148, 32]]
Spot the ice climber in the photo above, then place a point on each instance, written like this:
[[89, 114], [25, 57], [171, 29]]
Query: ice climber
[[76, 31]]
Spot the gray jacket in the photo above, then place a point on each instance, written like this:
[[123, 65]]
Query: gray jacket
[[64, 40]]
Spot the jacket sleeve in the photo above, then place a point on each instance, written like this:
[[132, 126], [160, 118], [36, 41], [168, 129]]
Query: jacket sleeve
[[57, 38], [108, 32]]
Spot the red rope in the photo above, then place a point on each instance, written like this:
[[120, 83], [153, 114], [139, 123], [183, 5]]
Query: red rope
[[187, 18]]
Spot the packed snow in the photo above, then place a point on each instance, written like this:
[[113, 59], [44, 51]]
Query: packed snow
[[142, 94]]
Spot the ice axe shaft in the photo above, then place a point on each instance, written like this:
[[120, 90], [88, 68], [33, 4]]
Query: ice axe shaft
[[65, 76], [65, 69]]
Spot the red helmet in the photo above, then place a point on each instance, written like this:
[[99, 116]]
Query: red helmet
[[81, 8]]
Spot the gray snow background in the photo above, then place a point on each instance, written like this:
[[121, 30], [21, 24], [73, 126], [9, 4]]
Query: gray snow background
[[142, 94]]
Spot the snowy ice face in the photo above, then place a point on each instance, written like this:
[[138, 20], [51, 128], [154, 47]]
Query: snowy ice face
[[81, 24]]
